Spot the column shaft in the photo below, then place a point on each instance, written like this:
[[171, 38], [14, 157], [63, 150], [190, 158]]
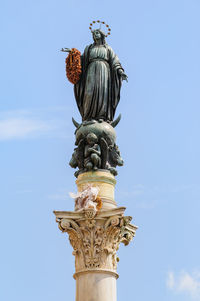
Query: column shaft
[[95, 286]]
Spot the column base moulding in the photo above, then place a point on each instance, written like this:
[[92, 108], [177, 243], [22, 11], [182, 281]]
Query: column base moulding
[[94, 271]]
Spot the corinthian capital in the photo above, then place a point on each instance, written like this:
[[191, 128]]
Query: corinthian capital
[[95, 238]]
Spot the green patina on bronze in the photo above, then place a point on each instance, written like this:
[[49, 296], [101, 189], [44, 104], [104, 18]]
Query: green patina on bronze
[[97, 95]]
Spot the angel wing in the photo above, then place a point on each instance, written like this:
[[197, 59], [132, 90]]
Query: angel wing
[[104, 152], [80, 151]]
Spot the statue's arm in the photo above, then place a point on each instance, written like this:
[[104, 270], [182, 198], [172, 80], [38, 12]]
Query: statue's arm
[[87, 151], [122, 74], [97, 152], [116, 64], [94, 151]]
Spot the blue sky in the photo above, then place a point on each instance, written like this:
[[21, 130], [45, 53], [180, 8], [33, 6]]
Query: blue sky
[[158, 44]]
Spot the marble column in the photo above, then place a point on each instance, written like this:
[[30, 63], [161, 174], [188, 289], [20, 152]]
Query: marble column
[[95, 237]]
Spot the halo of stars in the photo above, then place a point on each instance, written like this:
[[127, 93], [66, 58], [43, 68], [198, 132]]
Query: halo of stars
[[101, 23]]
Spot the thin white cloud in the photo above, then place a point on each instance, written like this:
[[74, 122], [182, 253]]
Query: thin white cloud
[[15, 128], [23, 124], [144, 197], [188, 283], [148, 204], [170, 280], [60, 195]]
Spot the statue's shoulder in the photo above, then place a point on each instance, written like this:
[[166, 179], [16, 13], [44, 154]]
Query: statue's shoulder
[[110, 51], [87, 48], [109, 48]]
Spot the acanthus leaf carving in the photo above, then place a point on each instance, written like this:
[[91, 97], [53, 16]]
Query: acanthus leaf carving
[[96, 240]]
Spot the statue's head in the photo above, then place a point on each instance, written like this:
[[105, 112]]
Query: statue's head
[[91, 139], [98, 34]]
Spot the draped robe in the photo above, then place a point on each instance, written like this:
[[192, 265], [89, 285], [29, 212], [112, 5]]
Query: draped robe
[[97, 92]]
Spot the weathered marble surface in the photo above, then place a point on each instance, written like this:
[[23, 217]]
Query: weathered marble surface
[[95, 237], [105, 182], [96, 286]]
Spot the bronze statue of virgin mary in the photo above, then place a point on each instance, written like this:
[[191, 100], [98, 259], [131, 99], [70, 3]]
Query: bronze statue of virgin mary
[[97, 92], [97, 77]]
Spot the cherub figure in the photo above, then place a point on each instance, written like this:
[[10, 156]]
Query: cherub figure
[[92, 153]]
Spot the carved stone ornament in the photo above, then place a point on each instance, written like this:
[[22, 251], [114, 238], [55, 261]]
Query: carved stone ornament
[[95, 238]]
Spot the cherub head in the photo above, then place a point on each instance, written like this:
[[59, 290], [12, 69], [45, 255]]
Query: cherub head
[[91, 139]]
